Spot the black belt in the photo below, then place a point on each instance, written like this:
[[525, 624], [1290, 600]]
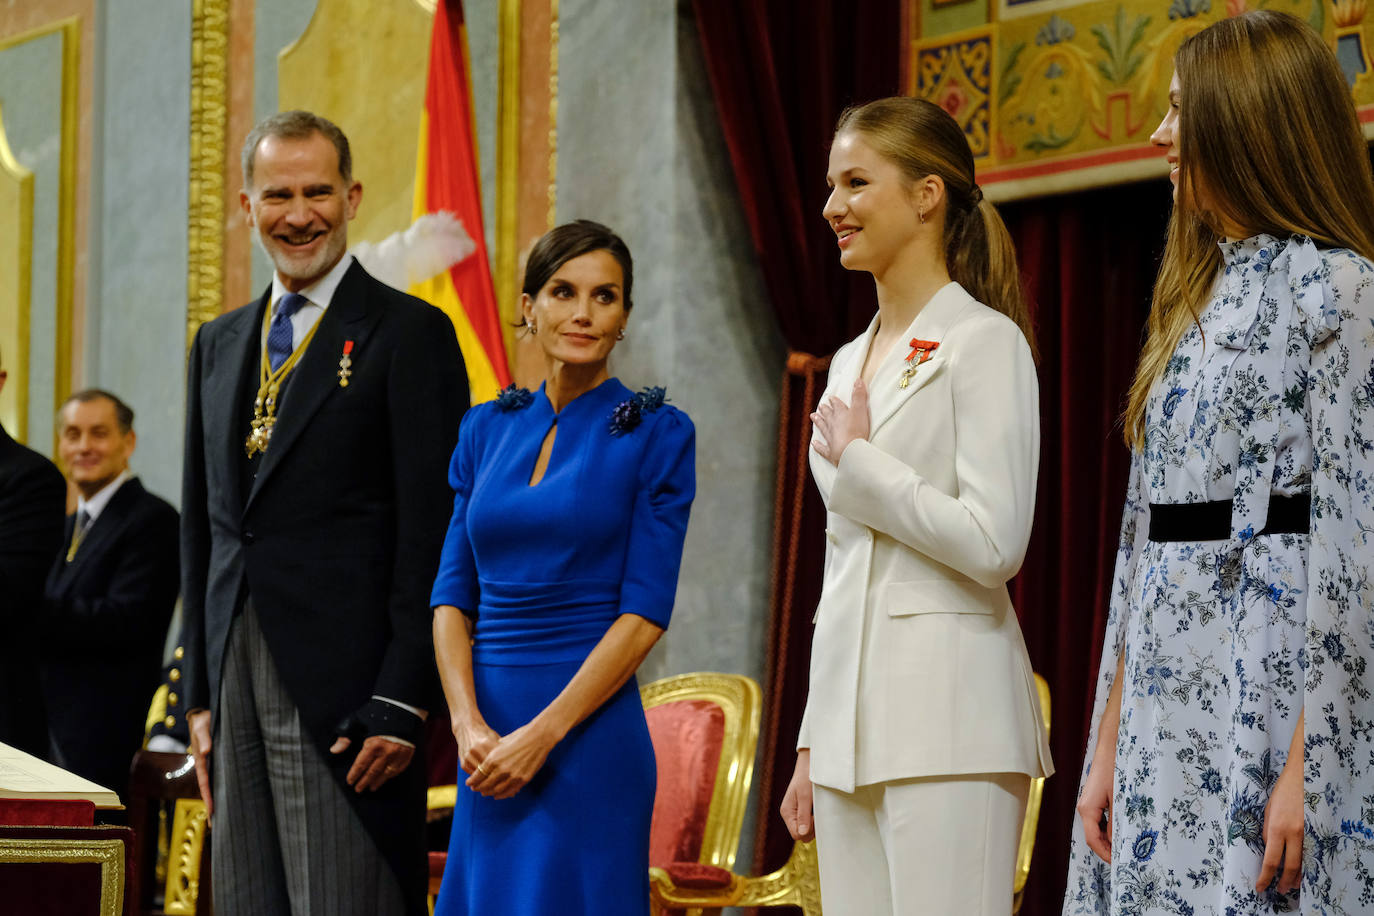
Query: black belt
[[1212, 521]]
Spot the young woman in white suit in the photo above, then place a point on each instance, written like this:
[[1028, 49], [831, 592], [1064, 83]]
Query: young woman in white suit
[[922, 728]]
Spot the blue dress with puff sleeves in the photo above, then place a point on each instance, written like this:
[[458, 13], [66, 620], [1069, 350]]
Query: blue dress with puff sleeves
[[545, 570]]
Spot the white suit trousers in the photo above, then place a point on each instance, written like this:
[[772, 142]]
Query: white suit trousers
[[934, 846]]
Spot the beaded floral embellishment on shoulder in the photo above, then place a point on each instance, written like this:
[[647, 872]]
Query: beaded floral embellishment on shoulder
[[514, 398], [630, 412]]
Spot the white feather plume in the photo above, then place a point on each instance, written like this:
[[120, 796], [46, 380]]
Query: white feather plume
[[429, 246]]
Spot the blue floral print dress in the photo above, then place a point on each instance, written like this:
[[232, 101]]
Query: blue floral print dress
[[1227, 641]]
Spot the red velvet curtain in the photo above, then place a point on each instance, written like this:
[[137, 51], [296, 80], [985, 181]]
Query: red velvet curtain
[[780, 74], [1088, 261]]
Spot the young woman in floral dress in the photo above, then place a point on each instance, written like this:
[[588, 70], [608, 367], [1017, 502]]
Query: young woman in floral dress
[[1231, 766]]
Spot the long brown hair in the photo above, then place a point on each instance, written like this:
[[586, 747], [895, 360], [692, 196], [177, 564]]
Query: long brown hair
[[1268, 141], [922, 139]]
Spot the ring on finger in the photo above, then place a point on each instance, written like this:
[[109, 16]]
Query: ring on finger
[[482, 769]]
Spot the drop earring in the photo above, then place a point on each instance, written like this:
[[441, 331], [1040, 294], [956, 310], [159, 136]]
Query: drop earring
[[620, 335], [533, 329]]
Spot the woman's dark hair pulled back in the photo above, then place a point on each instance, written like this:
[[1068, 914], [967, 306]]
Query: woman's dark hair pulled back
[[571, 240]]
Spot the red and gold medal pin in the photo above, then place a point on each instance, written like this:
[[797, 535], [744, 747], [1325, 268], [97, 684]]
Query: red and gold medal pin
[[920, 352], [346, 364]]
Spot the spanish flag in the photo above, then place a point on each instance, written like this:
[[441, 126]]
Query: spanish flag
[[446, 180]]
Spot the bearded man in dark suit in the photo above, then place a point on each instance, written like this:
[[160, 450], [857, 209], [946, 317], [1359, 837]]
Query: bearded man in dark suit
[[320, 421], [33, 500], [109, 596]]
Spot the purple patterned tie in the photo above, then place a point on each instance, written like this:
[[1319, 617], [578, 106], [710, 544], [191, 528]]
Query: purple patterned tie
[[279, 333]]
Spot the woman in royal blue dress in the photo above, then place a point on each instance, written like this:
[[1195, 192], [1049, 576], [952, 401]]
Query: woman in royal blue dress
[[557, 578]]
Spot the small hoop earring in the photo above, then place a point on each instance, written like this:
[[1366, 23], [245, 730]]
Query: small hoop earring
[[921, 215], [620, 335]]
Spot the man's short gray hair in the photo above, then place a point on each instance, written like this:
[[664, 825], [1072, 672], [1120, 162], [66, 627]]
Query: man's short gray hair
[[295, 125]]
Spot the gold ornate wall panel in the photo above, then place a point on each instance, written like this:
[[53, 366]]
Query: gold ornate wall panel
[[1056, 95], [363, 65], [23, 252], [16, 273], [209, 117]]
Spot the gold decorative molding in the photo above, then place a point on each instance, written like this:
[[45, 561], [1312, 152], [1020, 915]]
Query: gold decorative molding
[[553, 113], [108, 854], [507, 153], [16, 283], [66, 210], [70, 31], [209, 118], [797, 883], [189, 822]]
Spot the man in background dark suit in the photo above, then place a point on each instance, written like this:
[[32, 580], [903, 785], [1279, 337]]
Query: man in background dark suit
[[320, 421], [109, 596], [33, 499]]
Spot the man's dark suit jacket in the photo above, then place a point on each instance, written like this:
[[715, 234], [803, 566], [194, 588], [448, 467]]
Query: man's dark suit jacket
[[337, 535], [104, 626], [33, 500]]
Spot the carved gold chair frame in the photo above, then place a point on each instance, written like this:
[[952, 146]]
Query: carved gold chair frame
[[741, 701], [796, 883], [1032, 819]]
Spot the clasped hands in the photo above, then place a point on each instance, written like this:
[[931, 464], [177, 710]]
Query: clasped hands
[[498, 766], [839, 423]]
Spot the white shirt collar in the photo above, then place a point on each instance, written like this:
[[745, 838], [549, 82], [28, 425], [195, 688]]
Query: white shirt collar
[[321, 292], [97, 503]]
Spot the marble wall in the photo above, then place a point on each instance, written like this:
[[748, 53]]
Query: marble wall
[[640, 149], [129, 319], [31, 108], [136, 306]]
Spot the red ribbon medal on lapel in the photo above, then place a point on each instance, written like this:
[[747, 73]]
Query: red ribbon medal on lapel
[[346, 364], [920, 352]]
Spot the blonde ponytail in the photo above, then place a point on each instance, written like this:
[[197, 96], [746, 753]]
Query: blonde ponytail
[[922, 139]]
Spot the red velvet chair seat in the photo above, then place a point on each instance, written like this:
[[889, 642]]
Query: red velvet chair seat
[[699, 876]]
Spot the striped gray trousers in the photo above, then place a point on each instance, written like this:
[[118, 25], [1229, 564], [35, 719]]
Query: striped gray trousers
[[286, 842]]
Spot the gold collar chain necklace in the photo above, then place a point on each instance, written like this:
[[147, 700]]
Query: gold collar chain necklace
[[269, 385]]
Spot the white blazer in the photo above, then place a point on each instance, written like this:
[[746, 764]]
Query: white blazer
[[918, 667]]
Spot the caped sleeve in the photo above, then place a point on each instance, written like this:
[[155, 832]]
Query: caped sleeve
[[456, 584], [658, 521], [1135, 527], [1338, 705]]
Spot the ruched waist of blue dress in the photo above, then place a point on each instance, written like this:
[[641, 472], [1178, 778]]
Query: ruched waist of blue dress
[[543, 623]]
